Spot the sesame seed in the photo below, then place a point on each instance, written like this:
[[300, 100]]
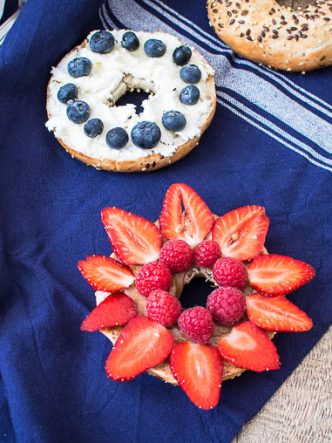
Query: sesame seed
[[232, 21]]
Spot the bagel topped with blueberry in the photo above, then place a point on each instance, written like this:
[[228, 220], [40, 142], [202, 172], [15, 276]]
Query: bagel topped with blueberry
[[89, 80], [282, 37], [138, 295]]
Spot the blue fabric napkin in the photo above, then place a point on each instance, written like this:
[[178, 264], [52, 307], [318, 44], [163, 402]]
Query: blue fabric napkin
[[270, 144]]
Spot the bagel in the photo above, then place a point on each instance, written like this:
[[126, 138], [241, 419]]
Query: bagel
[[111, 75], [274, 35], [151, 264]]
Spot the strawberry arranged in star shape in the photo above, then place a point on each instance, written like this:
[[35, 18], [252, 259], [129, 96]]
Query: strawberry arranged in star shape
[[139, 285]]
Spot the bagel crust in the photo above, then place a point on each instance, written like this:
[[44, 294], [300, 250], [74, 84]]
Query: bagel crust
[[170, 148], [274, 35]]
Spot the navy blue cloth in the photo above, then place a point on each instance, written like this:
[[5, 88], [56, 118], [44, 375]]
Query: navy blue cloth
[[269, 144]]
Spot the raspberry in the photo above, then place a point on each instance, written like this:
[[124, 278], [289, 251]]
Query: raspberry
[[206, 253], [163, 307], [197, 324], [227, 305], [177, 255], [228, 271], [153, 276]]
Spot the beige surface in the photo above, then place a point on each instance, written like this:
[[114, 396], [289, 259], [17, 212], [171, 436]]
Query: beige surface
[[301, 410]]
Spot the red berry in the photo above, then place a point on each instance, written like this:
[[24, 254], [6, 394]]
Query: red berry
[[163, 307], [206, 253], [227, 305], [177, 255], [153, 276], [197, 324], [229, 271]]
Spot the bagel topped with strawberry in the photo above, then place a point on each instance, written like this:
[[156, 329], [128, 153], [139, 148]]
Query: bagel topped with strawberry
[[138, 292]]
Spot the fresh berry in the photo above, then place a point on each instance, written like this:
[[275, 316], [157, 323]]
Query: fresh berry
[[278, 275], [67, 92], [141, 345], [227, 305], [228, 271], [177, 255], [248, 347], [115, 310], [189, 95], [154, 48], [146, 135], [197, 324], [78, 112], [241, 233], [276, 314], [135, 240], [191, 225], [105, 273], [190, 74], [93, 127], [130, 41], [198, 370], [206, 253], [102, 42], [117, 138], [163, 307], [79, 67], [153, 276], [174, 120], [181, 55]]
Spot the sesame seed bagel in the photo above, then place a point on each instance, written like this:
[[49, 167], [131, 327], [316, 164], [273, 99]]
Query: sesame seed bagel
[[278, 36], [163, 370], [112, 75]]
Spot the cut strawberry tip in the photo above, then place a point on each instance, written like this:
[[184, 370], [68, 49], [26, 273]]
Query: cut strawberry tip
[[105, 274], [115, 310], [248, 347], [274, 274], [142, 344], [134, 239], [185, 216]]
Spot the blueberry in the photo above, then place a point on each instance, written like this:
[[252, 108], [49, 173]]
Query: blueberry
[[102, 42], [117, 138], [67, 92], [189, 95], [174, 120], [93, 127], [154, 48], [78, 112], [145, 134], [181, 55], [190, 74], [79, 67], [130, 41]]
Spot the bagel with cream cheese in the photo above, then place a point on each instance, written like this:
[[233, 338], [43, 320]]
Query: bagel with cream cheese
[[86, 84]]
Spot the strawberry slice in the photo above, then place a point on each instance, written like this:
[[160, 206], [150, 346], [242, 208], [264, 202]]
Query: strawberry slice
[[105, 273], [276, 314], [135, 240], [191, 225], [241, 233], [115, 310], [278, 275], [248, 347], [198, 370], [142, 344]]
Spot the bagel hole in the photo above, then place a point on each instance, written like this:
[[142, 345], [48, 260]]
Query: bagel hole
[[135, 97], [196, 292], [295, 4]]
